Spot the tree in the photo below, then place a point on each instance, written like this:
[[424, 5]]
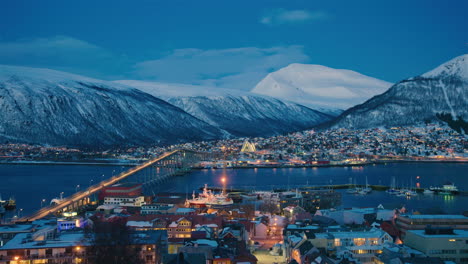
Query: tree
[[112, 243]]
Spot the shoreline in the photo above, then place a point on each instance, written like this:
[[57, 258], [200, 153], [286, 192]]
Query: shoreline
[[72, 163], [131, 164]]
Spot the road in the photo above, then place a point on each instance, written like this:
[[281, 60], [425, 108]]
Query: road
[[91, 190]]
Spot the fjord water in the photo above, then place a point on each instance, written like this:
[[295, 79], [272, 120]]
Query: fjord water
[[29, 184]]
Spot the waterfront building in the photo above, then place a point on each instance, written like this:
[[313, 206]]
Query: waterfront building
[[130, 201], [313, 200], [420, 222], [148, 209], [357, 215], [447, 243]]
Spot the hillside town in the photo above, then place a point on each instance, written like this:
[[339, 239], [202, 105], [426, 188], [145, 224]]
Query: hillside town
[[430, 142]]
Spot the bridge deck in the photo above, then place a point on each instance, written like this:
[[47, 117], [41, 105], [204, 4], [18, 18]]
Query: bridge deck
[[92, 190]]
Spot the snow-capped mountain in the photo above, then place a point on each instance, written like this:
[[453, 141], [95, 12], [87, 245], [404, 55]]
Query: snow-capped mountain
[[443, 90], [51, 107], [319, 87], [239, 113]]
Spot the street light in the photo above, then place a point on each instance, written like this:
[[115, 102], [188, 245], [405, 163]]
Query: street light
[[42, 202], [77, 187]]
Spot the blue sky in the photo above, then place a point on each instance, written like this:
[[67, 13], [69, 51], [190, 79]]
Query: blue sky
[[231, 44]]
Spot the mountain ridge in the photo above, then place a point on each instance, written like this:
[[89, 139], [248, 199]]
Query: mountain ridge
[[443, 89]]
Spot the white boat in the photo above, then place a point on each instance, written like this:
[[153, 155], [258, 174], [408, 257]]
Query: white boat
[[367, 189], [209, 199], [427, 191], [447, 188], [411, 193]]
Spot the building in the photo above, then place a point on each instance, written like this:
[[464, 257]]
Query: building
[[131, 201], [75, 247], [447, 243], [420, 222], [148, 209], [360, 245], [320, 199], [70, 221], [7, 232], [39, 229], [178, 227], [357, 215]]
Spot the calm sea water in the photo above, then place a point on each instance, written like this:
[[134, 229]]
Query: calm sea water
[[29, 184]]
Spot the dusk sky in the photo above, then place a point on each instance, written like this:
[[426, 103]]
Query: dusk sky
[[231, 44]]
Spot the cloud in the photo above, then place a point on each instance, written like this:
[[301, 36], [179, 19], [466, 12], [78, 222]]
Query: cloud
[[237, 68], [282, 16], [61, 53]]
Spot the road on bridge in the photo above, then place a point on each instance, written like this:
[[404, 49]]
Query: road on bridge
[[91, 190]]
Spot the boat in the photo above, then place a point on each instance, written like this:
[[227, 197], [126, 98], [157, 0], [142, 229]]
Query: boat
[[427, 191], [2, 209], [393, 190], [355, 190], [367, 189], [409, 193], [249, 197], [10, 204], [209, 199], [447, 188], [2, 202]]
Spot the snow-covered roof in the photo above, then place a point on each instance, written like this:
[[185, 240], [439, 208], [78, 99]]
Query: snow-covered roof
[[21, 241], [416, 216], [139, 224]]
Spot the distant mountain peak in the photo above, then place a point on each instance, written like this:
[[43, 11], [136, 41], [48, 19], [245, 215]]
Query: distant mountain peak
[[320, 87]]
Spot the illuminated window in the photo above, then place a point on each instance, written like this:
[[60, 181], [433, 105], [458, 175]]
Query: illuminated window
[[359, 241], [337, 242]]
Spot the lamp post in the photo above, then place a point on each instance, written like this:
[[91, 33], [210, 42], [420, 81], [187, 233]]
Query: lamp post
[[77, 187], [42, 202]]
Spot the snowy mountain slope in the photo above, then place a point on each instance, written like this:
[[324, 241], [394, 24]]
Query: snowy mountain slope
[[320, 87], [51, 107], [441, 90], [239, 113]]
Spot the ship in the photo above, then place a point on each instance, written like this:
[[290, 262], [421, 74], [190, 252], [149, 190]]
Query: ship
[[10, 204], [447, 188], [209, 199]]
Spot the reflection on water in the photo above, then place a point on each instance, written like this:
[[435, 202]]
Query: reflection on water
[[29, 184]]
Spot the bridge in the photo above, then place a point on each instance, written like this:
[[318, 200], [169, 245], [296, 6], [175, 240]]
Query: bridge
[[149, 174]]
